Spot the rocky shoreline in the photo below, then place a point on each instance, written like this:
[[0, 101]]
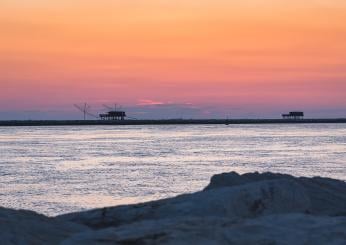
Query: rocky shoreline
[[252, 208]]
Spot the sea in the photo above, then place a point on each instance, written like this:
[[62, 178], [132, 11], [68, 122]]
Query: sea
[[56, 170]]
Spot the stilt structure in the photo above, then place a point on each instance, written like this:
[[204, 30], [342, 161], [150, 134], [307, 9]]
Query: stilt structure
[[295, 115], [113, 115]]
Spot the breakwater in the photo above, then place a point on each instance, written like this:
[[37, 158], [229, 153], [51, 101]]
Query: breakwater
[[164, 122]]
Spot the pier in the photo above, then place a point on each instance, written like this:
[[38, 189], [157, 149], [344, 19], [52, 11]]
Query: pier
[[164, 122]]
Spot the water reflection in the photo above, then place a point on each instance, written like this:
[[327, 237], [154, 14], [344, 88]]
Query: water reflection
[[62, 169]]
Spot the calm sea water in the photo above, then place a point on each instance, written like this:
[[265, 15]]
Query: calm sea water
[[56, 170]]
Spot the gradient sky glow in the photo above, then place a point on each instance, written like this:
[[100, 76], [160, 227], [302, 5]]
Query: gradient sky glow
[[173, 58]]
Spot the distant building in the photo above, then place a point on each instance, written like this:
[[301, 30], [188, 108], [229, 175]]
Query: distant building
[[296, 115], [113, 115]]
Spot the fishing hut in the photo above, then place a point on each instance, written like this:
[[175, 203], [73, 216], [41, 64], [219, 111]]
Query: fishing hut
[[295, 115], [113, 115]]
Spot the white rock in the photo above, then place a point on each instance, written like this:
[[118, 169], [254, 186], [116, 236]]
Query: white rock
[[26, 227], [328, 196], [249, 200], [234, 209], [274, 229]]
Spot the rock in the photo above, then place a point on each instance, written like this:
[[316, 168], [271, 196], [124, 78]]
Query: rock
[[26, 227], [327, 196], [233, 209], [272, 229], [249, 200], [234, 179]]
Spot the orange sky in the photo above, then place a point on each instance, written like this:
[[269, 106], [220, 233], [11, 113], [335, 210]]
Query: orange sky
[[269, 55]]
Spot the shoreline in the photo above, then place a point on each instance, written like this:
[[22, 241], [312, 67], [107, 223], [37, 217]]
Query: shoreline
[[276, 208], [15, 123]]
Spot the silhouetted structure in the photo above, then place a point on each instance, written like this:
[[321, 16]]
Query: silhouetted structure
[[85, 108], [293, 115], [113, 115]]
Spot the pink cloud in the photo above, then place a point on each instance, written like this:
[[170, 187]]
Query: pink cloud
[[146, 102]]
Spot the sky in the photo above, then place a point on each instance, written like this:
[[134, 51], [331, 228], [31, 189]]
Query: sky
[[173, 58]]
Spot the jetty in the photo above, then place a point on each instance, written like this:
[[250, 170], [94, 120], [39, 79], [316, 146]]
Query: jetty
[[165, 122]]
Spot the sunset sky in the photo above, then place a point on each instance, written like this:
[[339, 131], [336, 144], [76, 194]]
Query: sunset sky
[[173, 58]]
